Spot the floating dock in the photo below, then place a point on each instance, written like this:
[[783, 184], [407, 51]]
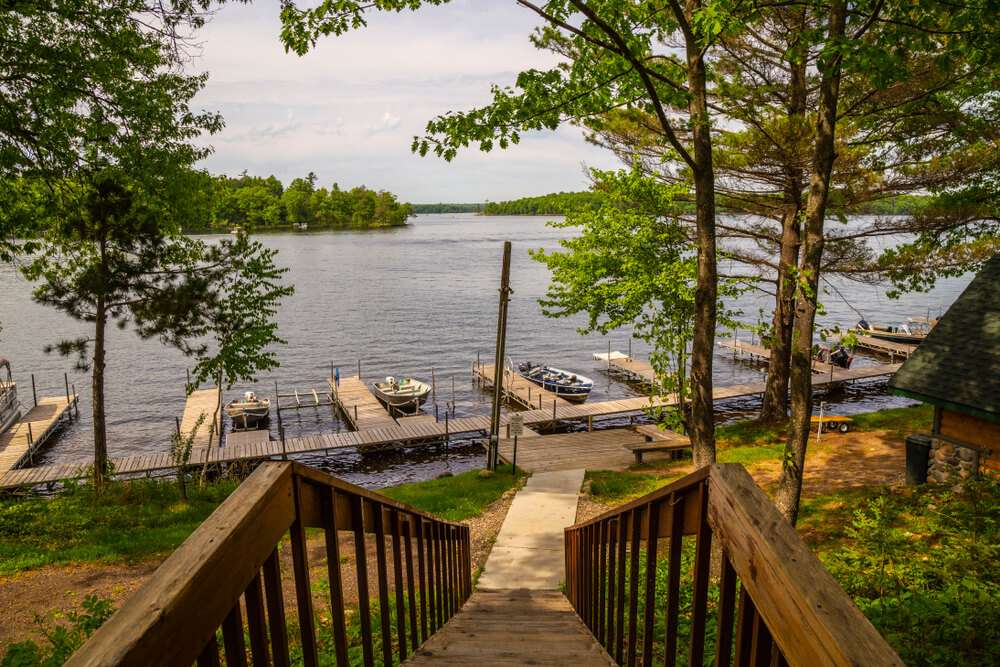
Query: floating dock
[[20, 442], [358, 404], [203, 402], [408, 434], [521, 391]]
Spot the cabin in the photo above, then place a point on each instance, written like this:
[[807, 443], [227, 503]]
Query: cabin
[[957, 370]]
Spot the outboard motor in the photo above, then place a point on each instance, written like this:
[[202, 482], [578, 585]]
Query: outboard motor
[[524, 366], [863, 324], [839, 356]]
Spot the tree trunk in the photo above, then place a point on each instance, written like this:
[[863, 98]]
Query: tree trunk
[[793, 464], [706, 291], [775, 405], [100, 427]]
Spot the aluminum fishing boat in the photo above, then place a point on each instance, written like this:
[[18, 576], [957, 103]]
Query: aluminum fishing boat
[[404, 394], [569, 386], [912, 332], [248, 411]]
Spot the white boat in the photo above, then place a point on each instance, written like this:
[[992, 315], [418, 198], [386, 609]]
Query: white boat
[[10, 409], [248, 411], [405, 394]]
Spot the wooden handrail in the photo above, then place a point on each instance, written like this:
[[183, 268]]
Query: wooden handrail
[[777, 604], [230, 565]]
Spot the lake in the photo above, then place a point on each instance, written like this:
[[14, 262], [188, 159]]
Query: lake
[[403, 301]]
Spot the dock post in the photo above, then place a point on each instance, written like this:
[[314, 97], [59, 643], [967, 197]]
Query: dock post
[[609, 354], [359, 369], [513, 463], [630, 346], [281, 432], [177, 421], [553, 409], [355, 415], [76, 401], [188, 383], [590, 423], [453, 389], [447, 434], [69, 402], [33, 394], [31, 448], [433, 385], [436, 413]]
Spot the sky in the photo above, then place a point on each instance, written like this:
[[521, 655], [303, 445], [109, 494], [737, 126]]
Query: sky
[[349, 109]]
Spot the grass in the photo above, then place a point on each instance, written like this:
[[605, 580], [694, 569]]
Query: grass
[[137, 520], [458, 497], [749, 443], [130, 522]]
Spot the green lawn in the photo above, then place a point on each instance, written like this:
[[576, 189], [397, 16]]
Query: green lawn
[[456, 498], [131, 521]]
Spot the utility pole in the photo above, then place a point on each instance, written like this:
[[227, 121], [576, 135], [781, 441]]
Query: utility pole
[[493, 454]]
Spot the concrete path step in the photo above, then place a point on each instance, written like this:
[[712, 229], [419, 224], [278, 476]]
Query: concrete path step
[[529, 552]]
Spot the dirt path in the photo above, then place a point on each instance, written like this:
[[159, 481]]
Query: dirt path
[[56, 589]]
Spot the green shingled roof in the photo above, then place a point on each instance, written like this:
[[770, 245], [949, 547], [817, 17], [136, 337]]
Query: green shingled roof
[[958, 365]]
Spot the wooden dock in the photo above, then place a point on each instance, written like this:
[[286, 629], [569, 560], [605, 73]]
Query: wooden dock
[[20, 442], [631, 368], [203, 402], [754, 352], [521, 391], [887, 347], [408, 434], [358, 404], [599, 450]]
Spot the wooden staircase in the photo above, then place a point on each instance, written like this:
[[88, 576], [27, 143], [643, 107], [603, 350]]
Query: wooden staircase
[[513, 627]]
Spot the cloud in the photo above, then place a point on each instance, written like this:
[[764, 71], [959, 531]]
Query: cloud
[[337, 111]]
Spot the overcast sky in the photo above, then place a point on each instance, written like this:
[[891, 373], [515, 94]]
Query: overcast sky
[[349, 109]]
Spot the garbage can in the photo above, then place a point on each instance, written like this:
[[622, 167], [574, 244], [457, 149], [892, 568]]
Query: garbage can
[[918, 450]]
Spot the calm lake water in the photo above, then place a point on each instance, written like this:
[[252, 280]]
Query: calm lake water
[[403, 301]]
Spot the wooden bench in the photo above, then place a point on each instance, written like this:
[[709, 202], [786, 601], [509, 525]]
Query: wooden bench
[[657, 441]]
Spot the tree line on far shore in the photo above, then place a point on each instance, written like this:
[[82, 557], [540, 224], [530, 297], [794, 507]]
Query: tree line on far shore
[[255, 202], [562, 203]]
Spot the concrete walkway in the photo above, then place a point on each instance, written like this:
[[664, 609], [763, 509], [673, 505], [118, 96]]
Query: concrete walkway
[[528, 552]]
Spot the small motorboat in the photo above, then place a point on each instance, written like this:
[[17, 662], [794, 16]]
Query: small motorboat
[[404, 394], [912, 332], [248, 411], [10, 408], [835, 356], [569, 386]]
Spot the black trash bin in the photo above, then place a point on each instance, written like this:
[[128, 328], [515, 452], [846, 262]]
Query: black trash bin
[[918, 450]]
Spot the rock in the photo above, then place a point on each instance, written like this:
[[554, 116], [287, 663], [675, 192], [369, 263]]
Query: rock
[[932, 507], [952, 461], [445, 474], [486, 474], [958, 489], [965, 474], [938, 476], [947, 448], [966, 454]]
